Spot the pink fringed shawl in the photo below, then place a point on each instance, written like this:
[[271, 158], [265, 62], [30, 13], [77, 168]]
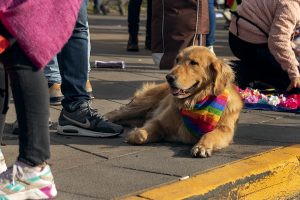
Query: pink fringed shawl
[[41, 27]]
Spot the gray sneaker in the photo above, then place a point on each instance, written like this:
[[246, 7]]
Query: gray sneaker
[[86, 121]]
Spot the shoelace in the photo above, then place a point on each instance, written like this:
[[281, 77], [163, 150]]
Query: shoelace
[[12, 174], [94, 112]]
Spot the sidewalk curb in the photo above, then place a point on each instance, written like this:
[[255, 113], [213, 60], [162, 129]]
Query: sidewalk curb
[[274, 174]]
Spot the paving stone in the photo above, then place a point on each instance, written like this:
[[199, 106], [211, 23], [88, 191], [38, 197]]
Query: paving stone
[[103, 181]]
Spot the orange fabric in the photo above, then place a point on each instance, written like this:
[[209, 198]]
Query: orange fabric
[[4, 43]]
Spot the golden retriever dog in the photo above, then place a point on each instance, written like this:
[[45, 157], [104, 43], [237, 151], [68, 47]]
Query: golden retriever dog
[[197, 78]]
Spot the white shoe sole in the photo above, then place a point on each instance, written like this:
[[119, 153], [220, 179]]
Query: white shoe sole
[[3, 166], [77, 131]]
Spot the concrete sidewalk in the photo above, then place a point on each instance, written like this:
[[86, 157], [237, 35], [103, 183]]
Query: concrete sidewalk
[[89, 168]]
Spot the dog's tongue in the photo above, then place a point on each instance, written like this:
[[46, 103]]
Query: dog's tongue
[[177, 91]]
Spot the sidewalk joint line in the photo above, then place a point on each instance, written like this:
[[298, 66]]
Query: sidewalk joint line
[[88, 152]]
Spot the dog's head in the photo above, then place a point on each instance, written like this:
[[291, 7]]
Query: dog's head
[[197, 68]]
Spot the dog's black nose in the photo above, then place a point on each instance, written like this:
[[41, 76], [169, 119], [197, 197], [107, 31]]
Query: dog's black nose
[[171, 78]]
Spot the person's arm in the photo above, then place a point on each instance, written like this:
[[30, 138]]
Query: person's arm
[[283, 25]]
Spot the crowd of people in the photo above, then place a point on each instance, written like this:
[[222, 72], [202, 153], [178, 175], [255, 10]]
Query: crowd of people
[[50, 65]]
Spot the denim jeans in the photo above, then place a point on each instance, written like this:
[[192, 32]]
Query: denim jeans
[[210, 37], [52, 72], [73, 64]]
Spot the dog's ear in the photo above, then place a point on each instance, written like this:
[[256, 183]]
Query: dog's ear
[[223, 75]]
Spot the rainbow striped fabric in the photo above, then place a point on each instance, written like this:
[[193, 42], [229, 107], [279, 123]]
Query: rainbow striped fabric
[[205, 115]]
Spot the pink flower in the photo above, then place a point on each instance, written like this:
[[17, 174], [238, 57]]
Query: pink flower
[[296, 97], [251, 99], [290, 103]]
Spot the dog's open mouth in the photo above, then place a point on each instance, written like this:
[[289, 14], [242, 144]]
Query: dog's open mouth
[[183, 92]]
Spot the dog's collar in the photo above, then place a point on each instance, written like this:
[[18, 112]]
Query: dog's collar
[[205, 115]]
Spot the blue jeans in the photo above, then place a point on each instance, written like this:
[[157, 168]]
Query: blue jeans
[[73, 64], [210, 37], [52, 72]]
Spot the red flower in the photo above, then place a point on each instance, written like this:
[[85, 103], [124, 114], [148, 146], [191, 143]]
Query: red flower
[[296, 97], [290, 103]]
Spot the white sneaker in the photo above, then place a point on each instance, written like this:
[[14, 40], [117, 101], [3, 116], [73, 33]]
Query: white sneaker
[[20, 182], [211, 48], [2, 163]]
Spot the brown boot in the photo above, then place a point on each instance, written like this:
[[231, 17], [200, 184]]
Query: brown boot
[[55, 94], [89, 89]]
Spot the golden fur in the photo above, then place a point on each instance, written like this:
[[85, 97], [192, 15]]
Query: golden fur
[[197, 73]]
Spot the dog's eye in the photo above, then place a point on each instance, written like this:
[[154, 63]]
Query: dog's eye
[[192, 62], [176, 60]]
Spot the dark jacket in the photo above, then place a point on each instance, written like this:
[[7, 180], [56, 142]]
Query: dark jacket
[[174, 27]]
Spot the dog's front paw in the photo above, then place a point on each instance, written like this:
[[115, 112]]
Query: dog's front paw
[[202, 151], [137, 136]]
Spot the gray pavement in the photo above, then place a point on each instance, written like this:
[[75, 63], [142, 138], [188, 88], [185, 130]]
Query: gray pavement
[[89, 168]]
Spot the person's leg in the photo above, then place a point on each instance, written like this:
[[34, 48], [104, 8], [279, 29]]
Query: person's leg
[[96, 4], [88, 86], [258, 64], [99, 8], [271, 71], [31, 98], [4, 101], [210, 37], [245, 68], [77, 117], [148, 25], [52, 72], [54, 81], [120, 5], [134, 8], [73, 64]]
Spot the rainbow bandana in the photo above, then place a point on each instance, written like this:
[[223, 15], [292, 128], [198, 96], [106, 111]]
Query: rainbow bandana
[[205, 115]]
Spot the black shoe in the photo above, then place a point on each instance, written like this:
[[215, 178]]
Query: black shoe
[[103, 9], [148, 45], [96, 11], [132, 44], [86, 121]]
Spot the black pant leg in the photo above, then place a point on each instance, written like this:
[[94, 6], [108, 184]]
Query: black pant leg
[[31, 98], [134, 8]]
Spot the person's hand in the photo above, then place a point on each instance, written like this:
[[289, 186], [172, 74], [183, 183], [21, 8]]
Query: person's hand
[[295, 83]]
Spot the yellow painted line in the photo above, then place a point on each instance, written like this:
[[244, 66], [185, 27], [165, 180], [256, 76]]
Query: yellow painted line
[[264, 176]]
